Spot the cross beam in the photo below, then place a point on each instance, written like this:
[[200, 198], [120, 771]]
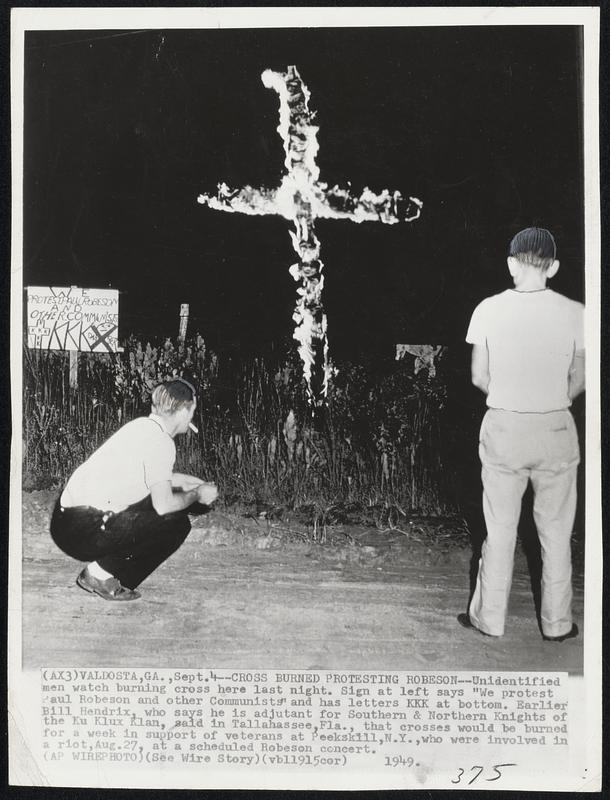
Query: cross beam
[[302, 198]]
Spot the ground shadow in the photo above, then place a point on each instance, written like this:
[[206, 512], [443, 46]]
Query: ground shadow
[[473, 514], [198, 509], [530, 544]]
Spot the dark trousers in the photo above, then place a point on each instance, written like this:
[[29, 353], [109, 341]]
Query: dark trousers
[[129, 545]]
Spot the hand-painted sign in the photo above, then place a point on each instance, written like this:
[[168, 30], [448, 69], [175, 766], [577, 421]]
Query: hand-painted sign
[[70, 318]]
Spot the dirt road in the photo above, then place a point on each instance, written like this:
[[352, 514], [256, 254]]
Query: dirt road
[[241, 594]]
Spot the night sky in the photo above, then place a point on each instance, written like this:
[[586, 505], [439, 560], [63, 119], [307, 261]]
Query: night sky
[[123, 130]]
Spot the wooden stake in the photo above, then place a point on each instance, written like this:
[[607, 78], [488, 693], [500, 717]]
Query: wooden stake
[[73, 369], [184, 319]]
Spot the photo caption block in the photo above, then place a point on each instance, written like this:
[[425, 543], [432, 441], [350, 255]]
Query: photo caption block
[[477, 729]]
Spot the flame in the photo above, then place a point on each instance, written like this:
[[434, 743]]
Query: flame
[[302, 198]]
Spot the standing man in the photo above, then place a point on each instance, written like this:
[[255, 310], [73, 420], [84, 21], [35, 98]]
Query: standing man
[[124, 509], [528, 358]]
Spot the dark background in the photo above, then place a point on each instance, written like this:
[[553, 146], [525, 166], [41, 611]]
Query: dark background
[[123, 130]]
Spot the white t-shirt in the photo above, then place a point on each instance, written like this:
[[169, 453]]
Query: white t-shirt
[[122, 471], [531, 338]]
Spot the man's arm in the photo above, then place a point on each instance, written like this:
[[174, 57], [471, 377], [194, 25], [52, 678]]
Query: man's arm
[[576, 375], [165, 501], [185, 482], [479, 367]]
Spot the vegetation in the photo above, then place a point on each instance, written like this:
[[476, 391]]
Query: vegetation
[[380, 442]]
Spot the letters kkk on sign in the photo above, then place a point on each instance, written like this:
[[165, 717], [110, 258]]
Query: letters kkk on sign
[[73, 319]]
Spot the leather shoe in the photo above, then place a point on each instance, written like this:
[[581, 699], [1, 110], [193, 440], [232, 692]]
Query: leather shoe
[[465, 622], [110, 589], [569, 635]]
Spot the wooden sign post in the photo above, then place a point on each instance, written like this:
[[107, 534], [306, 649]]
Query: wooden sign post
[[73, 369], [184, 320]]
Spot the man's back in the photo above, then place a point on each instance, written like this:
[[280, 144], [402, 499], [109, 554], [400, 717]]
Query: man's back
[[531, 338], [121, 471]]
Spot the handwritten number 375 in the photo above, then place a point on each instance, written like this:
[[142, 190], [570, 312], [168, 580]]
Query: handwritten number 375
[[496, 768]]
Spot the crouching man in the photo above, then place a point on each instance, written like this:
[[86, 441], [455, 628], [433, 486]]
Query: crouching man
[[124, 509]]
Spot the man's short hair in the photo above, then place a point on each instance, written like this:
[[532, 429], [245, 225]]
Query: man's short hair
[[171, 396], [534, 246]]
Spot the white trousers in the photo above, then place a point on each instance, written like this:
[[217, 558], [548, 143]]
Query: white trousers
[[514, 448]]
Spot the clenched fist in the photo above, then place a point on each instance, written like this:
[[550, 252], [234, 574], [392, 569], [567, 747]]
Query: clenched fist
[[207, 493]]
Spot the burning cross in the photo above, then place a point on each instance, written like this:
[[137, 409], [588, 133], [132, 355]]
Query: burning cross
[[302, 198]]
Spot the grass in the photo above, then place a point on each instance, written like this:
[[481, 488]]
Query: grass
[[376, 450]]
